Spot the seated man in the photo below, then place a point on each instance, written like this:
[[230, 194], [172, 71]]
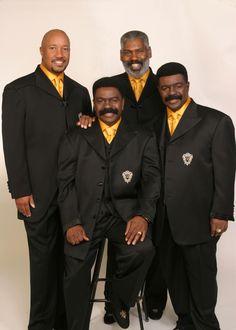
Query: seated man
[[109, 183]]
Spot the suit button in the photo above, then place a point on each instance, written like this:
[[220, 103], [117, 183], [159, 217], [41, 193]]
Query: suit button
[[103, 167], [98, 200], [100, 183]]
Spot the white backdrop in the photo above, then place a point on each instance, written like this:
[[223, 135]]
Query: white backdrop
[[198, 33]]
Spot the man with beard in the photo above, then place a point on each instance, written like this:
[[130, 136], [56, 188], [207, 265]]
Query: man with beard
[[109, 183], [143, 106], [37, 110], [198, 156]]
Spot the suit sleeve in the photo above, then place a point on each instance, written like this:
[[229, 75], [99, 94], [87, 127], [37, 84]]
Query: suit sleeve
[[224, 162], [14, 142], [87, 107], [67, 198], [150, 184]]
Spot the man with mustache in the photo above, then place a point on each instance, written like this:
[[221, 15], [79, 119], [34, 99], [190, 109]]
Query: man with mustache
[[37, 110], [109, 184], [143, 106], [198, 157]]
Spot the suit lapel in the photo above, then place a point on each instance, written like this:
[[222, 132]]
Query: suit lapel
[[45, 84], [95, 139], [191, 117], [68, 86], [127, 88], [149, 88], [122, 138], [163, 139]]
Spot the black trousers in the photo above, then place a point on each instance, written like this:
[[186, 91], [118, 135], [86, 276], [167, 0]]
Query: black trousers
[[155, 285], [190, 272], [45, 240], [132, 262]]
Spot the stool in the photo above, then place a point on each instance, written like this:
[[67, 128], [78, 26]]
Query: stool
[[95, 279]]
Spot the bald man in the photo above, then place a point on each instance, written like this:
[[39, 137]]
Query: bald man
[[37, 110]]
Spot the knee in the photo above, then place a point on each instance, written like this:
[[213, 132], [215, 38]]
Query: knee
[[145, 249]]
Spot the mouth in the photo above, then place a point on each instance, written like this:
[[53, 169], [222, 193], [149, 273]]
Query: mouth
[[58, 62], [136, 66]]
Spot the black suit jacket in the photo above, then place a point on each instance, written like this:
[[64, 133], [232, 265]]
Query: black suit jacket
[[82, 168], [34, 119], [149, 108], [198, 166]]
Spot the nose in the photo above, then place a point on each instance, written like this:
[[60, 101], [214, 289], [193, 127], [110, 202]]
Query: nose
[[133, 56], [107, 103], [172, 90], [59, 52]]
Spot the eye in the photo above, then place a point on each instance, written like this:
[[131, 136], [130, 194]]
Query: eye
[[126, 52], [164, 88]]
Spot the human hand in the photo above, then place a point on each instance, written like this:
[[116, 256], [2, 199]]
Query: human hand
[[218, 227], [136, 230], [85, 121], [76, 234], [23, 205]]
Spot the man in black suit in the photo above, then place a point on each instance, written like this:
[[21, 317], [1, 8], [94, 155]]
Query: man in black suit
[[143, 106], [108, 187], [37, 110], [197, 148]]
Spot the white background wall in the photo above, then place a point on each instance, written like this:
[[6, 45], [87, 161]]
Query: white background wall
[[198, 33]]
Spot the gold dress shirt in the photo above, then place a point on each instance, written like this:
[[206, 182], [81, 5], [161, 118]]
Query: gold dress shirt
[[174, 117], [57, 81], [109, 132], [138, 84]]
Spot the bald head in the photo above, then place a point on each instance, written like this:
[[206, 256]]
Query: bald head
[[55, 51]]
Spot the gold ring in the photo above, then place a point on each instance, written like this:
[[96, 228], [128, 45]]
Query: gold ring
[[139, 233], [218, 230]]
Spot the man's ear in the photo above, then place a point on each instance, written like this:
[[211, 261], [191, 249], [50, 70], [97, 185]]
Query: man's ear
[[149, 52]]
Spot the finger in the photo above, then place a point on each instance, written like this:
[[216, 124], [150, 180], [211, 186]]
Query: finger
[[85, 237], [32, 204], [143, 236], [136, 239], [26, 210], [127, 227], [131, 238]]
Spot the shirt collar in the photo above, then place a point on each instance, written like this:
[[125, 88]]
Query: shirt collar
[[104, 126], [181, 110], [143, 77], [51, 75]]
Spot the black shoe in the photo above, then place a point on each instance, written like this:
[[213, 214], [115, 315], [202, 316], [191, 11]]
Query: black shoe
[[120, 313], [155, 313], [108, 318], [122, 317]]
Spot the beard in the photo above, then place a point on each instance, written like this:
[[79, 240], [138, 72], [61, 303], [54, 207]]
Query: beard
[[136, 73]]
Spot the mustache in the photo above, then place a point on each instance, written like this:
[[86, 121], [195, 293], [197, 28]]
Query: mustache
[[108, 110], [173, 97]]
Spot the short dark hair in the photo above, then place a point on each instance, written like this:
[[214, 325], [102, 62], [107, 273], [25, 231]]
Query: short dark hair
[[170, 69], [106, 82]]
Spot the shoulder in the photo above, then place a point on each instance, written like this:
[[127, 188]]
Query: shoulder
[[22, 82], [75, 84], [140, 131], [212, 114], [120, 76]]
